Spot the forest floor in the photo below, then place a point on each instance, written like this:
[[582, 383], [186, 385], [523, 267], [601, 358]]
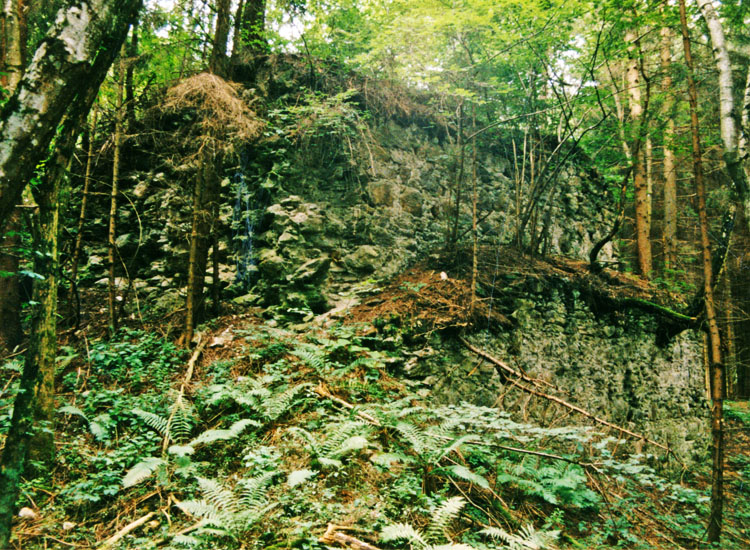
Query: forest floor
[[311, 437]]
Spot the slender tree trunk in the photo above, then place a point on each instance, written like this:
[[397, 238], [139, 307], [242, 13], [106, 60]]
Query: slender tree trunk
[[729, 135], [642, 220], [717, 368], [459, 175], [111, 235], [84, 204], [474, 232], [221, 35], [12, 63], [132, 49], [205, 195], [670, 174]]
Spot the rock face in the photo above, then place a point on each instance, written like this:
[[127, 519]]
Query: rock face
[[612, 365]]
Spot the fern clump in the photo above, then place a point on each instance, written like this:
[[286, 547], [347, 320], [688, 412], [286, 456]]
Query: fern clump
[[225, 512]]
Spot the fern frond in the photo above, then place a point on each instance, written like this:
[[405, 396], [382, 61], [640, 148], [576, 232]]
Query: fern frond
[[186, 540], [298, 477], [70, 409], [153, 420], [418, 439], [455, 444], [437, 531], [313, 356], [223, 499], [141, 471], [253, 491], [462, 472], [274, 407], [209, 436], [181, 421], [201, 509], [403, 531], [342, 432], [305, 436]]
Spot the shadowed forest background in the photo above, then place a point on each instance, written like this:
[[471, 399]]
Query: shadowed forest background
[[374, 274]]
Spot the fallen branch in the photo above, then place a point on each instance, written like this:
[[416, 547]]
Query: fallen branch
[[333, 535], [111, 541], [498, 363]]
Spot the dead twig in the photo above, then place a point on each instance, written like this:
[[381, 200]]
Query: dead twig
[[334, 536], [133, 525]]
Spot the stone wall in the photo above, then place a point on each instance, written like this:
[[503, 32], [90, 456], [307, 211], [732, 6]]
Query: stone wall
[[612, 364]]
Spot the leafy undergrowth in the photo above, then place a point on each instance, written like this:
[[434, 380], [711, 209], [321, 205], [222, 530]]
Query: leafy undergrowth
[[289, 440]]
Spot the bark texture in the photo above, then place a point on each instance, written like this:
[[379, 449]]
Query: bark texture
[[716, 367], [670, 175], [729, 132], [642, 197], [75, 55], [221, 35]]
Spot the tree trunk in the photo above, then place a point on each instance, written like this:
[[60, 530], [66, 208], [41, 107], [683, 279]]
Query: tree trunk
[[132, 49], [642, 199], [252, 36], [12, 63], [111, 235], [35, 400], [84, 203], [205, 195], [670, 174], [729, 135], [221, 35], [12, 37], [74, 56], [717, 368]]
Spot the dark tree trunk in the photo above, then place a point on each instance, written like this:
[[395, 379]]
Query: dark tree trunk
[[252, 36], [221, 35]]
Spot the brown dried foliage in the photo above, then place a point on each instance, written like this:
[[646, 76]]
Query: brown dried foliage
[[224, 119]]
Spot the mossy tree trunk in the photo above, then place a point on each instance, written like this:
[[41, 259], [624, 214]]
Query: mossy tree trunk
[[64, 75], [12, 35]]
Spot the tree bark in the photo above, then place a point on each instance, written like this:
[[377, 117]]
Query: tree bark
[[642, 198], [12, 62], [716, 366], [252, 37], [132, 55], [12, 33], [221, 35], [669, 170], [205, 195], [112, 233], [84, 203], [729, 135], [35, 400], [74, 56]]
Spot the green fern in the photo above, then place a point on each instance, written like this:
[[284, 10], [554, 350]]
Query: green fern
[[436, 536], [209, 436], [313, 356], [528, 538], [142, 471], [225, 512], [276, 406]]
